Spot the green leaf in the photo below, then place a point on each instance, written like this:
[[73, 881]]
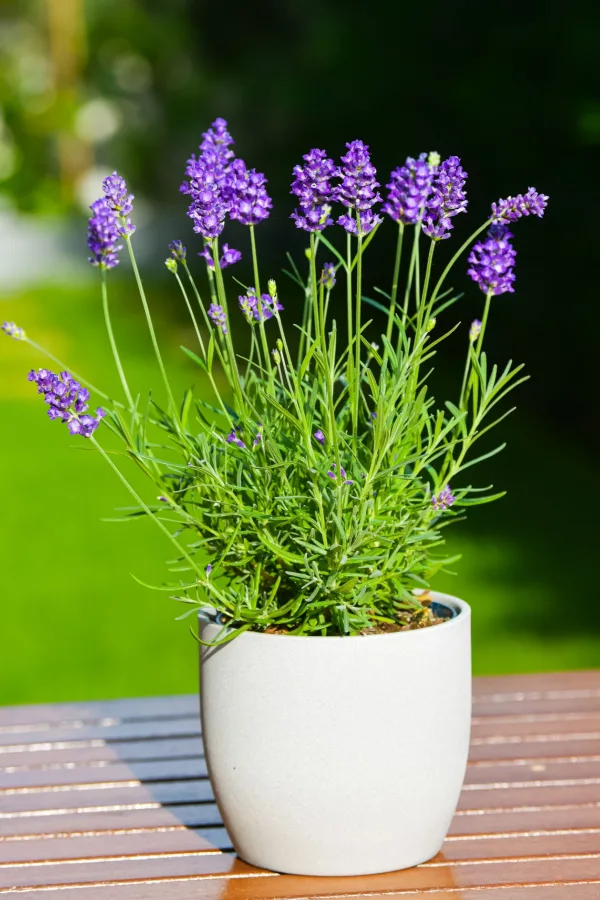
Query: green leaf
[[195, 357]]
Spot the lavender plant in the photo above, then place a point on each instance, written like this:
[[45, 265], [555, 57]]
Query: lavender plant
[[310, 496]]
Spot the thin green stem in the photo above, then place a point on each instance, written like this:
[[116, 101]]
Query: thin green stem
[[113, 343], [235, 375], [151, 326], [349, 285], [357, 348], [395, 277], [261, 322], [409, 280]]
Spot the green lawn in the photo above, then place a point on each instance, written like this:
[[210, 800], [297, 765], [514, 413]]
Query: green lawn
[[75, 625]]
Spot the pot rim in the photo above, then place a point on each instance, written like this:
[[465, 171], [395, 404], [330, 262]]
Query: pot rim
[[461, 607]]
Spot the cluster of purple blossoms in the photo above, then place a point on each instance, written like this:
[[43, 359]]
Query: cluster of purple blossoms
[[492, 261], [443, 500], [358, 190], [67, 401], [409, 189], [512, 208], [13, 331], [448, 198], [208, 207], [217, 315], [312, 185], [103, 235], [342, 479], [220, 185], [250, 203], [228, 258], [328, 275], [249, 305], [120, 201]]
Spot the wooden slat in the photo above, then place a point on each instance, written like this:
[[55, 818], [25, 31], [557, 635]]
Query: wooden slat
[[160, 770], [83, 796], [199, 865], [106, 730], [203, 890], [130, 708], [111, 819], [118, 751], [235, 876]]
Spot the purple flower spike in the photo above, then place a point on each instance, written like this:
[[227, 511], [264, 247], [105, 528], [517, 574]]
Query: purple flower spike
[[217, 315], [215, 145], [319, 436], [443, 500], [409, 190], [13, 331], [120, 201], [312, 185], [513, 208], [232, 438], [67, 401], [448, 199], [358, 190], [328, 276], [333, 474], [208, 208], [248, 304], [492, 262], [178, 251], [103, 235], [250, 203]]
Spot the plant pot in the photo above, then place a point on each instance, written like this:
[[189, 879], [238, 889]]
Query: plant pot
[[338, 755]]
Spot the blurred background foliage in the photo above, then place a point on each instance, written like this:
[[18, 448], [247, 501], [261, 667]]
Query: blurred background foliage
[[86, 87]]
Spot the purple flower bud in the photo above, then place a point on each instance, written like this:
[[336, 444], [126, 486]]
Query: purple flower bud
[[474, 330], [248, 304], [229, 257], [328, 275], [312, 185], [208, 570], [492, 262], [443, 500], [120, 201], [409, 189], [448, 199], [178, 251], [358, 189], [513, 208], [319, 436], [232, 438], [250, 203], [13, 331], [342, 479], [103, 235], [217, 315]]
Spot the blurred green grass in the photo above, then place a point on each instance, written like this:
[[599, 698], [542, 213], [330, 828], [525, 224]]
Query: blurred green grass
[[75, 624]]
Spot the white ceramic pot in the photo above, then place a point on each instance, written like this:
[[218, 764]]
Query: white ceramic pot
[[338, 755]]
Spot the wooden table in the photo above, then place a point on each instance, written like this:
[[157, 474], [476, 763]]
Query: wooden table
[[110, 801]]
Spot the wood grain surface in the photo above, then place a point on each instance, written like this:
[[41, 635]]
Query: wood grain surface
[[111, 799]]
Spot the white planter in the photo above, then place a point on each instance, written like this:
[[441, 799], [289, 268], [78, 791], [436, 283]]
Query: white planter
[[338, 755]]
